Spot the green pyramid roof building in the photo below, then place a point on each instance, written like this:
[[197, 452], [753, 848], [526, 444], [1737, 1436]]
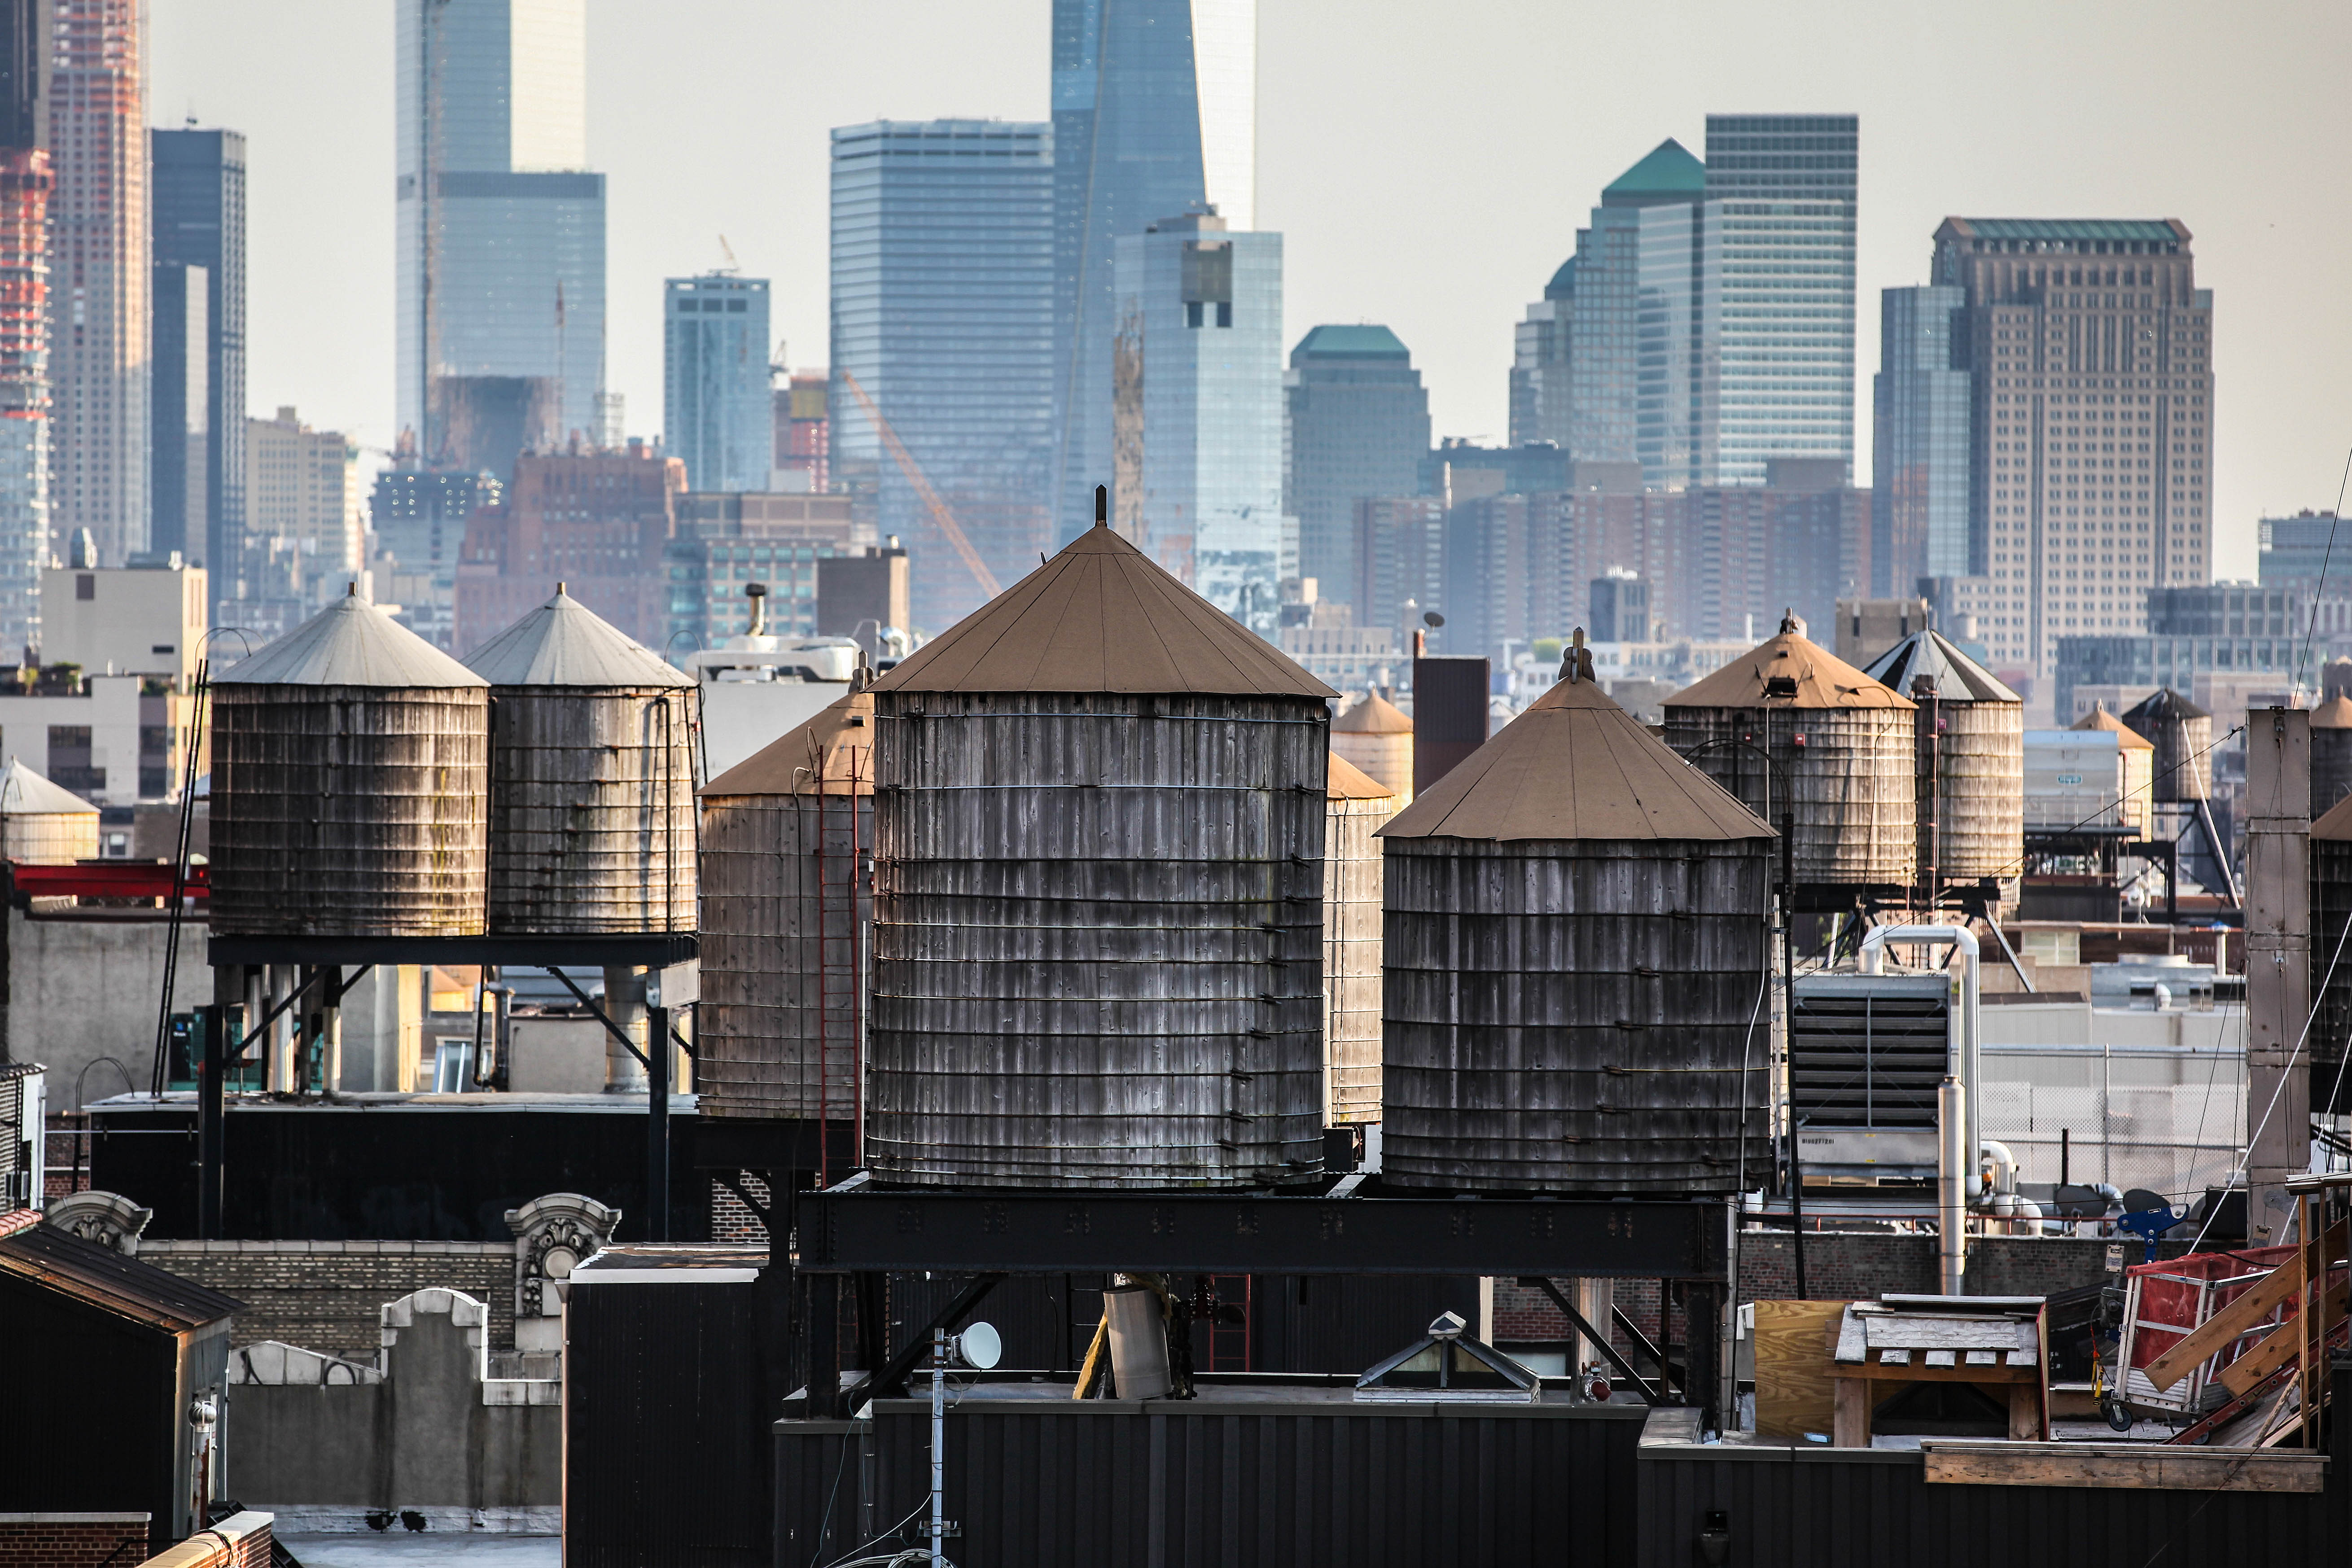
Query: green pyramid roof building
[[1668, 173]]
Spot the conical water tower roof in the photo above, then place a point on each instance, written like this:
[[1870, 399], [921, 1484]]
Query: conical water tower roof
[[2336, 713], [834, 744], [2163, 704], [351, 643], [1576, 766], [1819, 680], [1375, 715], [2334, 824], [2127, 738], [24, 793], [1101, 617], [1957, 678], [565, 643], [1349, 782]]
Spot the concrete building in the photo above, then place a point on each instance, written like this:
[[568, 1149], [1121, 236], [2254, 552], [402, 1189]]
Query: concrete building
[[865, 594], [304, 506], [716, 411], [1778, 289], [1155, 112], [804, 434], [109, 739], [419, 520], [199, 221], [138, 620], [100, 258], [1357, 424], [1920, 460], [597, 522], [500, 230], [725, 542], [942, 302], [2300, 552], [1197, 482], [2092, 421], [24, 407]]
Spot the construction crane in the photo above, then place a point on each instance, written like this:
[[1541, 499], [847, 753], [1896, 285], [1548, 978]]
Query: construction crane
[[938, 509]]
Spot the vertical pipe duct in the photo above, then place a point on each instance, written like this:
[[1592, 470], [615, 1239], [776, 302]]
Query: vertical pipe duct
[[1952, 1166], [2278, 963]]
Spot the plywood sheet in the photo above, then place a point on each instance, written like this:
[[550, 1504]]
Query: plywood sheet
[[1795, 1341]]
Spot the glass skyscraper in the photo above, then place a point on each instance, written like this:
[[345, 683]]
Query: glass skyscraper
[[1357, 426], [1920, 462], [1780, 272], [1154, 114], [942, 321], [198, 188], [500, 241], [1197, 411], [716, 411]]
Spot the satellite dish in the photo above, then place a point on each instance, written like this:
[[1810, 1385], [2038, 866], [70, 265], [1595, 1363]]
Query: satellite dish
[[979, 1347], [1432, 618]]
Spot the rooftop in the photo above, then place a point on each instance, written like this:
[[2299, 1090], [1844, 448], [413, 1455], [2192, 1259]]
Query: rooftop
[[1816, 678], [351, 643], [2158, 231], [1669, 169], [827, 747], [105, 1279], [1957, 678], [1359, 341], [565, 643]]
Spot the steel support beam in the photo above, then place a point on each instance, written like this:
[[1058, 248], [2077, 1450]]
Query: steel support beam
[[1600, 1340], [850, 1229]]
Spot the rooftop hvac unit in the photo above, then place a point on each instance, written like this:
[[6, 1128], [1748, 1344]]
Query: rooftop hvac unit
[[1865, 1055]]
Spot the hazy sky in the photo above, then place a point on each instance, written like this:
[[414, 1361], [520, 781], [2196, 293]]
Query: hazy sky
[[1427, 165]]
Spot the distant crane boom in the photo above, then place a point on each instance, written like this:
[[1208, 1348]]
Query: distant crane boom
[[938, 509]]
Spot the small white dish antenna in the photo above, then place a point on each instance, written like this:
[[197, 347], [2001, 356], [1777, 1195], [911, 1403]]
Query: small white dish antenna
[[979, 1347]]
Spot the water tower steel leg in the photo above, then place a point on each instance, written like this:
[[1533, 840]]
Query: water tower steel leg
[[657, 1063]]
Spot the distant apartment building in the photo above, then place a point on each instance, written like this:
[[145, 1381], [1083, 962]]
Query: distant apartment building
[[1400, 563], [25, 408], [419, 520], [304, 507], [139, 620], [499, 244], [942, 330], [599, 523], [199, 222], [1155, 112], [100, 261], [716, 413], [804, 434], [1358, 425], [1920, 466], [179, 456], [2091, 401], [115, 741], [724, 542], [1197, 476], [1704, 326]]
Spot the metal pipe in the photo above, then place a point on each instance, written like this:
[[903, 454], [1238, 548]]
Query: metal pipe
[[1951, 1191], [939, 1447]]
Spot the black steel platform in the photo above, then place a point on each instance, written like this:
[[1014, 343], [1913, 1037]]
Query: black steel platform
[[653, 949]]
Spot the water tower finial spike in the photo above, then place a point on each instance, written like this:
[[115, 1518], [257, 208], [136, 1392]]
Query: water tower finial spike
[[1102, 506]]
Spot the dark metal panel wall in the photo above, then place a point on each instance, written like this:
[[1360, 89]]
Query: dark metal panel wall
[[1575, 1017], [1230, 1485], [1097, 940], [665, 1450], [592, 811]]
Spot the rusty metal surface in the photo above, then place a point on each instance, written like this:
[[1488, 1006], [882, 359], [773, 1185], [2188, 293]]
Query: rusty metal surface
[[1351, 958], [1097, 939], [778, 1021], [1851, 781], [1971, 788], [1574, 1017], [348, 811], [592, 811]]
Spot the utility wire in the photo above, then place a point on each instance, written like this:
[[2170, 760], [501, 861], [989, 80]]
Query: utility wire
[[2336, 521]]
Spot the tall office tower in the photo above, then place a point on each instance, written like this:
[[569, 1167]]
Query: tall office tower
[[24, 392], [1155, 112], [419, 518], [501, 263], [1779, 287], [99, 275], [199, 221], [303, 489], [179, 406], [1614, 364], [804, 434], [2090, 424], [942, 334], [715, 408], [1919, 441], [1358, 422], [1197, 422]]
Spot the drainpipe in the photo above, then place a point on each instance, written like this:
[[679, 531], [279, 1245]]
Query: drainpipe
[[1956, 1098], [1953, 1168]]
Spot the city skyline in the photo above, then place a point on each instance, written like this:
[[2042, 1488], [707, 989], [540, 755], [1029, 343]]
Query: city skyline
[[2043, 142]]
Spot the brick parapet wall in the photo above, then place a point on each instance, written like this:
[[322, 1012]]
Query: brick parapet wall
[[329, 1295], [73, 1540], [731, 1220], [240, 1541]]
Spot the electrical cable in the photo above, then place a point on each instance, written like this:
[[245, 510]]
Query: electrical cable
[[2336, 520]]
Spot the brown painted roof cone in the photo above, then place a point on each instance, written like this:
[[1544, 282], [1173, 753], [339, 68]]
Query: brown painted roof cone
[[1374, 715], [1102, 617], [835, 745], [2336, 713], [1789, 670], [1346, 782], [2128, 739], [2334, 824], [1576, 766]]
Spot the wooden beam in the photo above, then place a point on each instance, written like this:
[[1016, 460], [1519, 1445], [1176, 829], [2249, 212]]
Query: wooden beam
[[2280, 1346], [2218, 1331], [1850, 1426], [2155, 1466]]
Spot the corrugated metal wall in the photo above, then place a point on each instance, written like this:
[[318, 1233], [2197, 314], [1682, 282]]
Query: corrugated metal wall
[[349, 811], [592, 811], [1097, 940], [1226, 1484], [1575, 1017]]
